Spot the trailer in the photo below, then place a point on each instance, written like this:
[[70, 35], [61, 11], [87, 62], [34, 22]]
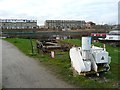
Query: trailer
[[46, 46]]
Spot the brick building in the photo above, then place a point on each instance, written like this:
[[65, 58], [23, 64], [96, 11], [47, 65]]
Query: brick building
[[90, 25], [64, 24], [17, 24]]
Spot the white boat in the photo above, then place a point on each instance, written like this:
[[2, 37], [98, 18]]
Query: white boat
[[113, 37]]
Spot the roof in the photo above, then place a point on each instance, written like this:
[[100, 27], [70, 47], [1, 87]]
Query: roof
[[115, 32]]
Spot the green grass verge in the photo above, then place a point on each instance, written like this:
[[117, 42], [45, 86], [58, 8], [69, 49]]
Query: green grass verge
[[60, 65]]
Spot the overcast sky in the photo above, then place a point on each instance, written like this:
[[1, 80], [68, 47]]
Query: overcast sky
[[98, 11]]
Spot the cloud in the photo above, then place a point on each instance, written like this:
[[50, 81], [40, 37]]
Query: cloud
[[88, 10]]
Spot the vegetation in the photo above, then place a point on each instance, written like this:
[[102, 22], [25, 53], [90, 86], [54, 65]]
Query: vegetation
[[60, 65]]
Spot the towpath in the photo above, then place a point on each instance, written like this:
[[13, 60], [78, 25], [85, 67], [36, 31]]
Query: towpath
[[20, 71]]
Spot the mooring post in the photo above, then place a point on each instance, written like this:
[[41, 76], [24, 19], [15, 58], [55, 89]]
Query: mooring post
[[31, 46]]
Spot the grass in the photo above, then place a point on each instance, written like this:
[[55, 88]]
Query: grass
[[60, 65], [23, 45]]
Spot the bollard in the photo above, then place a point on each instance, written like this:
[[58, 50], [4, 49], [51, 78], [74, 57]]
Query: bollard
[[52, 54], [104, 47]]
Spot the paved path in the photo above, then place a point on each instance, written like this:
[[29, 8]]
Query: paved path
[[20, 71]]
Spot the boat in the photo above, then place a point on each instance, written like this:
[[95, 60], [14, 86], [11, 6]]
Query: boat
[[112, 38]]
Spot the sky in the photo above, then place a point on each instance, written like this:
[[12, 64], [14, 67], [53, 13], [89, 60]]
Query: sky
[[98, 11]]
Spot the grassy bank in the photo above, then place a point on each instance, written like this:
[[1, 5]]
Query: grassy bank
[[60, 65]]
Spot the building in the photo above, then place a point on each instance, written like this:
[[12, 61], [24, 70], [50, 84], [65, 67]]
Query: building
[[119, 13], [90, 25], [17, 24], [64, 24]]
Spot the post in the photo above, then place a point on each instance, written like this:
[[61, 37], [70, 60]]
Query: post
[[104, 47], [31, 46], [32, 36], [52, 54]]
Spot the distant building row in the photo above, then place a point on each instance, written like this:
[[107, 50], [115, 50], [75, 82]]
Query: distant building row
[[49, 24], [17, 24], [64, 24]]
